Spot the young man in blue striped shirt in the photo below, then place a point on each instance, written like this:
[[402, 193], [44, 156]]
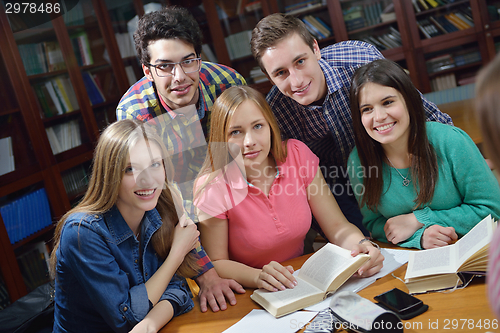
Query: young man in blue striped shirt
[[310, 97]]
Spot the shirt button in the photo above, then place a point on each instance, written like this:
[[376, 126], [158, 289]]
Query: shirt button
[[146, 274], [96, 216], [125, 308], [275, 219], [135, 261], [123, 317]]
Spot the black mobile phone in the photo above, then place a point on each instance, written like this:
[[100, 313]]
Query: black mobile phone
[[404, 304]]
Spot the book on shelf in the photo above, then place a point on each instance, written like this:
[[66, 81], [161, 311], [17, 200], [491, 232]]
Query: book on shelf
[[415, 5], [95, 93], [53, 56], [432, 3], [437, 269], [6, 156], [312, 29], [75, 180], [64, 136], [424, 4], [81, 47], [440, 63], [34, 265], [238, 44], [457, 23], [301, 7], [322, 274], [321, 27], [326, 26], [26, 215]]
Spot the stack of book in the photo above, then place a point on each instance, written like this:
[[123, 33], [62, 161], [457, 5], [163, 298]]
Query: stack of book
[[385, 41], [317, 27], [354, 18], [449, 60], [432, 26], [443, 82], [298, 8], [258, 75], [26, 215], [421, 5], [64, 136], [56, 96], [39, 58]]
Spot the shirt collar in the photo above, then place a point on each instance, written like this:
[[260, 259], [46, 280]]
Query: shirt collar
[[120, 230], [172, 114]]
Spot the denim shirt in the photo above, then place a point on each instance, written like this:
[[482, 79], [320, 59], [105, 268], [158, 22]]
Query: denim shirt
[[101, 274]]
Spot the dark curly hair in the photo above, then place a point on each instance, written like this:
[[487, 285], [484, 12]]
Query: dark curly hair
[[168, 23]]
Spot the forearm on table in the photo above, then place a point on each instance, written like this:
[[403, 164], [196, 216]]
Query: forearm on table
[[245, 275]]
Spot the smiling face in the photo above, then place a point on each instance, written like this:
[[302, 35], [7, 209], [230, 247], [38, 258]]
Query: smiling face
[[143, 180], [384, 115], [250, 131], [293, 67], [180, 89]]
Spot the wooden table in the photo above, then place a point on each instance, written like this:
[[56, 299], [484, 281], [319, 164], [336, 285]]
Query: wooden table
[[453, 309]]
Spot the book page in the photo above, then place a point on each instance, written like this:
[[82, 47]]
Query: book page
[[474, 240], [282, 297], [434, 261], [328, 262]]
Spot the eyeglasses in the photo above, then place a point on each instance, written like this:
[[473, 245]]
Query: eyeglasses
[[168, 68]]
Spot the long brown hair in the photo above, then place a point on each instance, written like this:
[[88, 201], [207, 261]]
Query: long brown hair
[[218, 155], [488, 108], [423, 160], [111, 157]]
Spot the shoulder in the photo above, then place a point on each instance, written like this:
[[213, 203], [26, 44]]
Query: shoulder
[[439, 133], [211, 73], [78, 223], [140, 97], [351, 52], [299, 152]]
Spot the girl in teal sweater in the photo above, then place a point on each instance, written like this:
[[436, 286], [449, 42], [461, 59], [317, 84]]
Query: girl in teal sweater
[[419, 184]]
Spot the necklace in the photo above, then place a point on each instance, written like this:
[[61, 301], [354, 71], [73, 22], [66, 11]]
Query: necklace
[[406, 180]]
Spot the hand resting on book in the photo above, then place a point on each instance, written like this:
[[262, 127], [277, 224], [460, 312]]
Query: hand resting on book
[[274, 277], [436, 236], [373, 265]]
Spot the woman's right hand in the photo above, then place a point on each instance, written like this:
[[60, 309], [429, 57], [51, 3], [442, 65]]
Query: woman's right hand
[[274, 277], [185, 238]]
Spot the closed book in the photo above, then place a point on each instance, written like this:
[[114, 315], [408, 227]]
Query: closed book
[[453, 21], [438, 25]]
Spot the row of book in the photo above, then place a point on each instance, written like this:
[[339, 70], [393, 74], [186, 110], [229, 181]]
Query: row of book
[[75, 180], [385, 41], [317, 27], [443, 82], [421, 5], [64, 136], [359, 16], [81, 47], [448, 60], [238, 44], [34, 266], [303, 6], [41, 57], [26, 215], [94, 90], [443, 24], [258, 75], [56, 96], [6, 156]]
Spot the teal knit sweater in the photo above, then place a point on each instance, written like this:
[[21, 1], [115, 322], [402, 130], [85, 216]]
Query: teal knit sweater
[[465, 193]]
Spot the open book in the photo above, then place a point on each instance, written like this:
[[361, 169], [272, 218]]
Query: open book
[[323, 273], [439, 268]]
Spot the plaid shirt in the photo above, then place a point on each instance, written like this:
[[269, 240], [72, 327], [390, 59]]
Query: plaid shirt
[[327, 129], [184, 137]]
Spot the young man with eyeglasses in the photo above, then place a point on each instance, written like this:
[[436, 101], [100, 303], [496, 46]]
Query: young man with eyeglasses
[[176, 94]]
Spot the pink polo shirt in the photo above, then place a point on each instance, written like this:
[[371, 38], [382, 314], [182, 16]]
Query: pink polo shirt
[[265, 228]]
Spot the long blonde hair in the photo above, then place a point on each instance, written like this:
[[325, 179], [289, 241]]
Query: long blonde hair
[[218, 155], [111, 157]]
